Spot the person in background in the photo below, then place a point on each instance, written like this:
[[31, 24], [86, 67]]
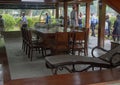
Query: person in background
[[74, 17], [24, 22], [1, 24], [93, 22], [47, 18], [68, 21], [61, 21], [106, 28], [80, 20], [116, 30], [109, 25]]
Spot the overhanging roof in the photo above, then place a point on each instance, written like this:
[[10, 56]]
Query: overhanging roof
[[27, 5]]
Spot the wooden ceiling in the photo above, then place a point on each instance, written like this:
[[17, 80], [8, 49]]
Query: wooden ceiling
[[115, 4], [111, 3]]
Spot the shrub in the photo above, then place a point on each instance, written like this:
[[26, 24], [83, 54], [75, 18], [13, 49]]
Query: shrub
[[30, 22], [112, 19], [9, 22]]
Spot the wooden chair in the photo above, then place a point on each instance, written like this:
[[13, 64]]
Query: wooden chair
[[24, 39], [33, 45], [80, 43], [48, 40], [60, 46]]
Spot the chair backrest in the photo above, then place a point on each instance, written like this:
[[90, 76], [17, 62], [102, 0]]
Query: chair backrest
[[28, 35], [61, 38], [79, 36], [107, 56], [61, 42], [82, 35], [80, 41]]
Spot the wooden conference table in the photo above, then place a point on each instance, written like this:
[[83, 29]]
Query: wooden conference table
[[45, 32], [78, 78], [47, 36]]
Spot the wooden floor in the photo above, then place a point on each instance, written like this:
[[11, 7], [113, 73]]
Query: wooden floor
[[4, 61], [83, 78]]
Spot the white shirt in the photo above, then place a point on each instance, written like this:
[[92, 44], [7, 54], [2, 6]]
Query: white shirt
[[24, 20]]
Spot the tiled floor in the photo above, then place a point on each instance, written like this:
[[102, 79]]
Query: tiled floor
[[22, 67]]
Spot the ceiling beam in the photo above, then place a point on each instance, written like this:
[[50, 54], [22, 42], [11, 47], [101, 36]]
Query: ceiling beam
[[10, 1]]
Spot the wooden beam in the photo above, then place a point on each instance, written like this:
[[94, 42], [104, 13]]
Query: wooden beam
[[102, 12], [10, 1], [64, 0], [57, 10]]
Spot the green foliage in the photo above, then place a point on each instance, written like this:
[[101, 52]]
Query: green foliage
[[35, 19], [30, 22], [9, 22], [17, 20], [112, 19]]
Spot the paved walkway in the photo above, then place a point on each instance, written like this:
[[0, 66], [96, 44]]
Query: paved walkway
[[93, 42]]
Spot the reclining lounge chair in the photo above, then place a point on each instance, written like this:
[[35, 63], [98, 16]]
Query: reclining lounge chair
[[110, 59]]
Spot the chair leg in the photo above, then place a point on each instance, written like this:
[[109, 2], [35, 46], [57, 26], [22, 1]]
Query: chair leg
[[31, 54], [27, 48], [42, 52]]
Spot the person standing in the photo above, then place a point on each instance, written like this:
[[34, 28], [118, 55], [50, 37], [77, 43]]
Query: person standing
[[106, 28], [47, 18], [116, 30], [1, 24], [61, 21], [24, 22], [80, 20], [109, 25], [93, 22], [68, 21], [74, 17]]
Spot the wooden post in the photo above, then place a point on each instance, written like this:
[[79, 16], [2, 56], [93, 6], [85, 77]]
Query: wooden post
[[57, 10], [65, 16], [87, 23], [77, 7], [102, 12]]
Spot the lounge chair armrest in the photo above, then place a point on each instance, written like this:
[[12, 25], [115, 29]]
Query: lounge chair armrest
[[97, 47], [115, 59]]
